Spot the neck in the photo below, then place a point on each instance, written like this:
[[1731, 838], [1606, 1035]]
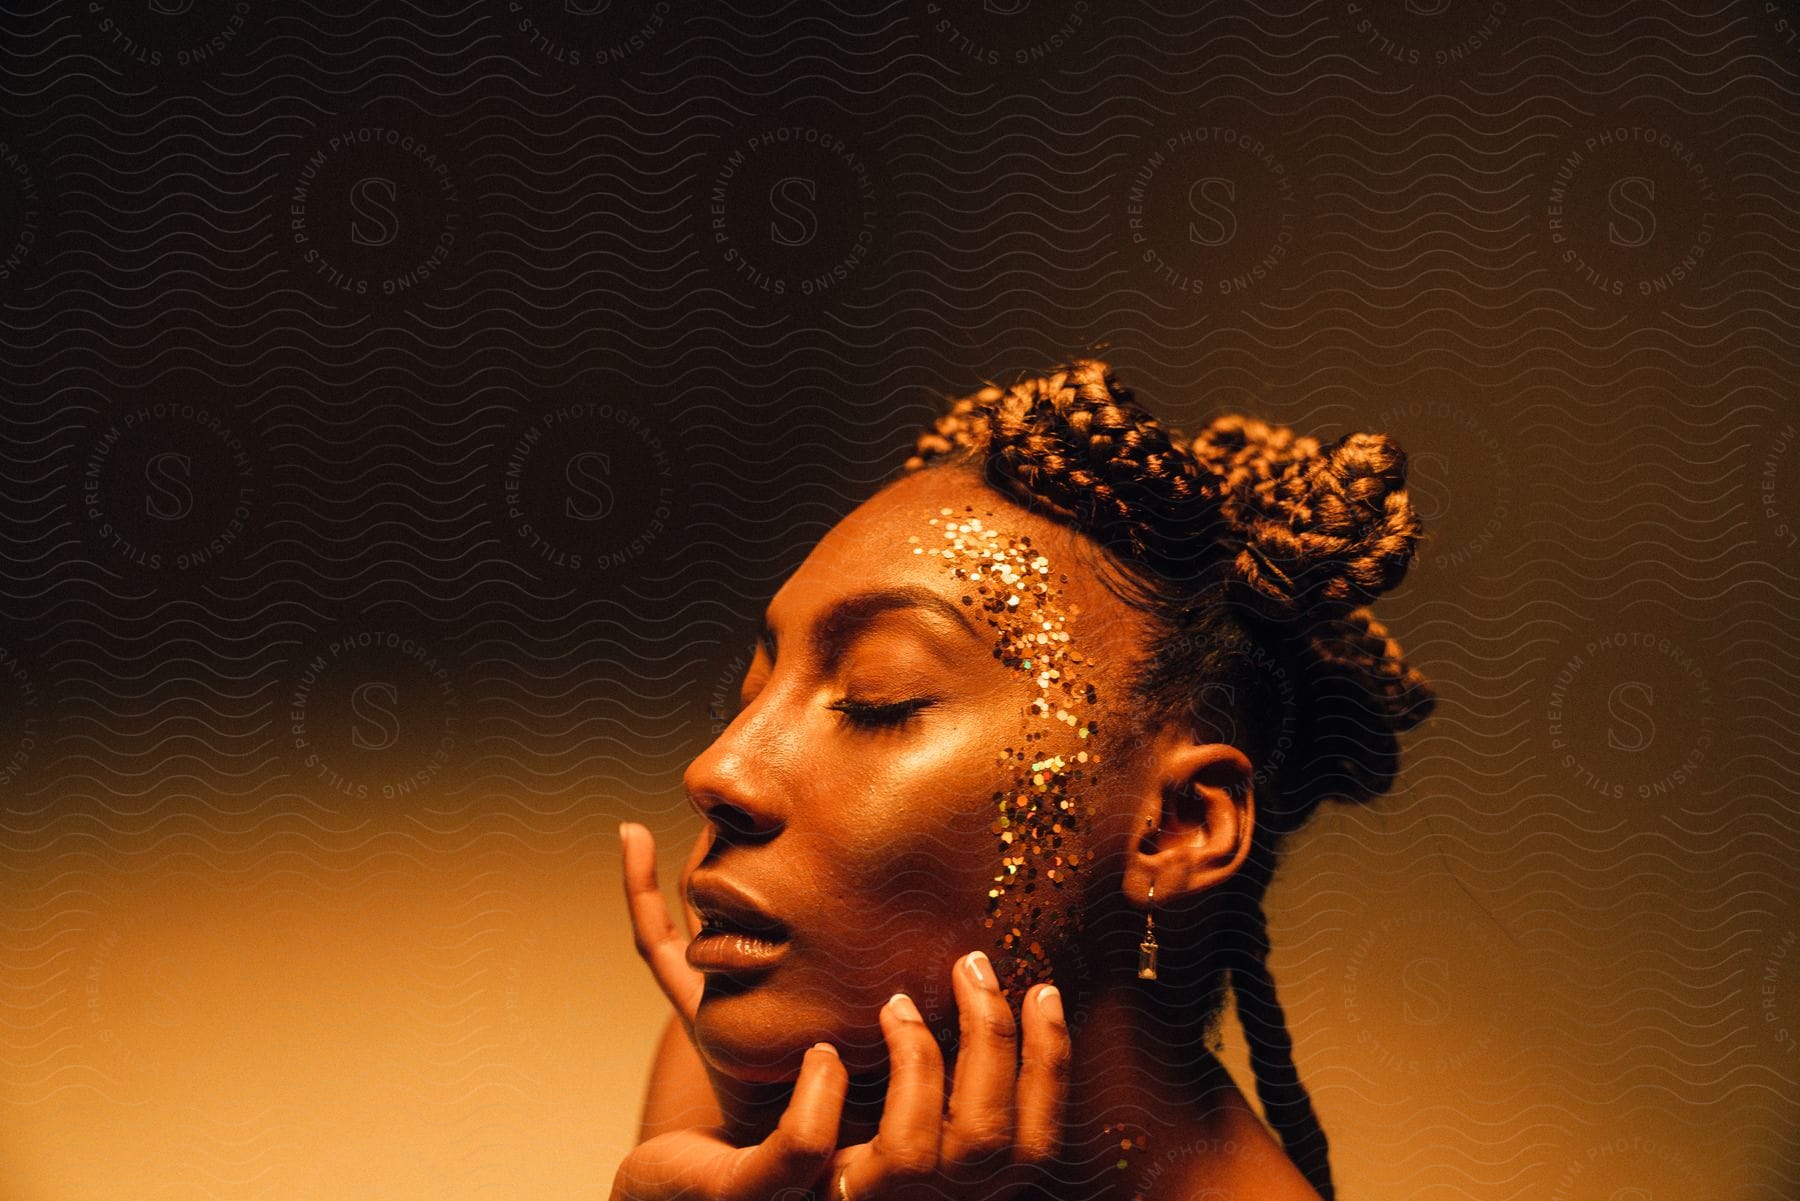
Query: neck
[[1137, 1076]]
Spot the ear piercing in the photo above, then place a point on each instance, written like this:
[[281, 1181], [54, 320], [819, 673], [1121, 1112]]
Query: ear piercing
[[1147, 949]]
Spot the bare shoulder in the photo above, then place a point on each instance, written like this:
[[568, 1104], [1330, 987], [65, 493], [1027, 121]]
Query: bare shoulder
[[1261, 1172], [1253, 1165]]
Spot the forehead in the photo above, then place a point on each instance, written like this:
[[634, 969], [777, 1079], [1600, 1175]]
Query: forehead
[[870, 547]]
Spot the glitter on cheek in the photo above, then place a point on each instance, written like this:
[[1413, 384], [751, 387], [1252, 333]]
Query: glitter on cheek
[[1040, 815]]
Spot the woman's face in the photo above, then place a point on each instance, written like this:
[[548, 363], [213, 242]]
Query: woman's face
[[914, 775]]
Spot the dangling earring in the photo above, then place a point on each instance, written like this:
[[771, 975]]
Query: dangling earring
[[1147, 948]]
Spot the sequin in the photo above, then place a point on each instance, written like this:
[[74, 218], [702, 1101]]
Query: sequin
[[1032, 815], [1127, 1146]]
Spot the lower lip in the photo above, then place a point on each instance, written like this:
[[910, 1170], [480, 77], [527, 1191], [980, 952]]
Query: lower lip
[[734, 953]]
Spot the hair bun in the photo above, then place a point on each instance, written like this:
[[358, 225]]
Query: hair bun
[[1321, 529]]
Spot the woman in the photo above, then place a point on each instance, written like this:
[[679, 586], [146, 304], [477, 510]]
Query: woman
[[988, 838]]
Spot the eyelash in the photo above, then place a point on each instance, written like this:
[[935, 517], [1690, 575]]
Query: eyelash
[[873, 716]]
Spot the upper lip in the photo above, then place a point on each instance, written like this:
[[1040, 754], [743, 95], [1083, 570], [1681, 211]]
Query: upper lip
[[724, 906]]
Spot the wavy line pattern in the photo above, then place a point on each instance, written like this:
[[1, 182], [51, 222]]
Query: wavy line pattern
[[410, 409]]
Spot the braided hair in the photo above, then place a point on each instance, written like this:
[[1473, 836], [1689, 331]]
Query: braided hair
[[1256, 551]]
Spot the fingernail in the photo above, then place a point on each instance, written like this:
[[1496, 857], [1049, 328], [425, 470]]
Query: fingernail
[[903, 1008], [621, 833], [1050, 1003], [827, 1048], [978, 968]]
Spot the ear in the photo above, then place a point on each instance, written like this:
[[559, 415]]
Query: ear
[[1194, 822]]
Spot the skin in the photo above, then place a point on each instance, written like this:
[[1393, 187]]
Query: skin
[[874, 846]]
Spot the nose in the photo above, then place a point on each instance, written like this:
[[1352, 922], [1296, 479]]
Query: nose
[[733, 784]]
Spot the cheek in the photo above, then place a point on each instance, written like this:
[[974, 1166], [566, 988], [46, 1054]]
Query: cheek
[[920, 844], [1039, 834], [912, 860]]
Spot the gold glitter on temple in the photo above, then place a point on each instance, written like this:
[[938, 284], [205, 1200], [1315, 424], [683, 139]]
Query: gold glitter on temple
[[1011, 582]]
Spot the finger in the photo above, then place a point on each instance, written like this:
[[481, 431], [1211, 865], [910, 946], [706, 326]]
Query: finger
[[980, 1129], [660, 1169], [1043, 1077], [695, 857], [796, 1152], [905, 1146], [696, 1164], [653, 927]]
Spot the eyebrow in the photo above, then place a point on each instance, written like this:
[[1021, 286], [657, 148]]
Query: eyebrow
[[832, 631]]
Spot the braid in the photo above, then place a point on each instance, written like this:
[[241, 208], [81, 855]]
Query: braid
[[1257, 551], [1285, 1100], [1078, 445]]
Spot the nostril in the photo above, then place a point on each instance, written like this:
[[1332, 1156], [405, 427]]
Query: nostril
[[739, 824]]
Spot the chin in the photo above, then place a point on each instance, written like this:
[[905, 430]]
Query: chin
[[754, 1034], [759, 1029]]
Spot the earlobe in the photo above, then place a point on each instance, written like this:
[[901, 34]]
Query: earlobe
[[1198, 817]]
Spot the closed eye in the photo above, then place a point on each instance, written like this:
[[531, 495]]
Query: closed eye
[[873, 715]]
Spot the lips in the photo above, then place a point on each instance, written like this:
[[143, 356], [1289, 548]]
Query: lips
[[738, 934]]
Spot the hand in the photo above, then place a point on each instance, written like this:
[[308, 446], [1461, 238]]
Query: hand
[[701, 1165], [1004, 1118]]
